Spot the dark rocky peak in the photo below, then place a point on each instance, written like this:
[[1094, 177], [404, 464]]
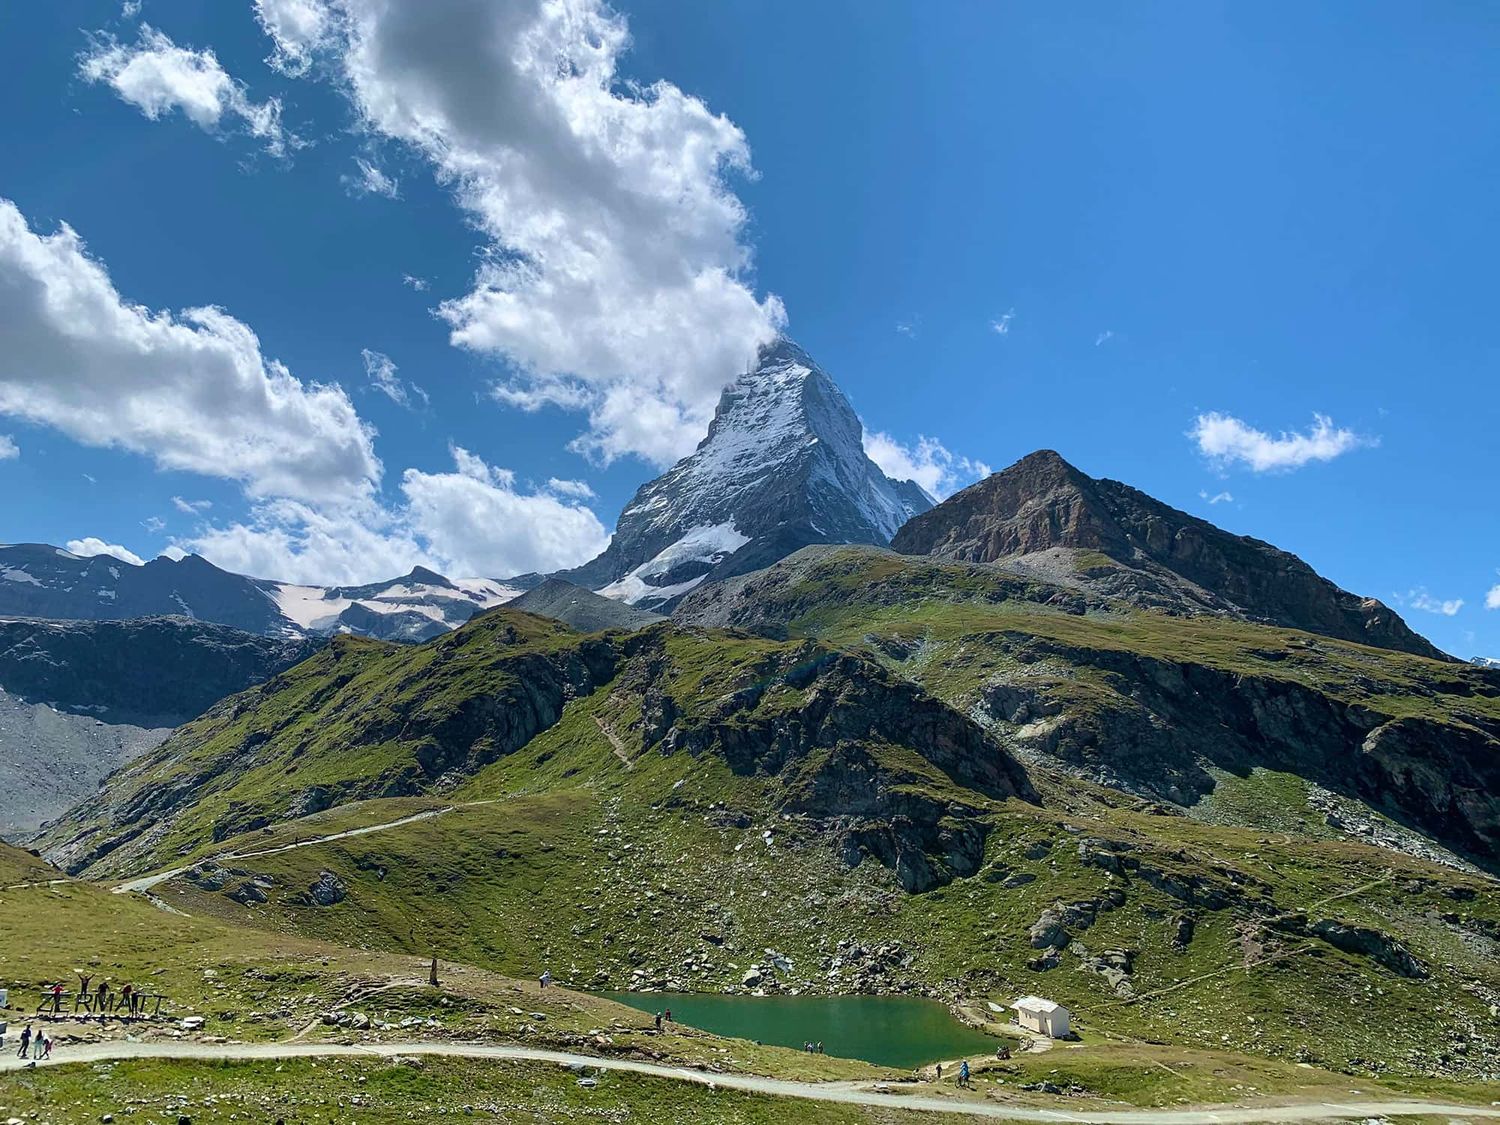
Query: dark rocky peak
[[1046, 518]]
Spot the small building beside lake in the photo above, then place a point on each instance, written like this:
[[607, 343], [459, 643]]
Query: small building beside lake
[[1045, 1017]]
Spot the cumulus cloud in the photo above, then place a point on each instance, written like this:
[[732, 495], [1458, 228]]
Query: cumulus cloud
[[576, 488], [420, 284], [297, 28], [1226, 441], [157, 76], [9, 450], [380, 369], [1422, 600], [472, 521], [191, 391], [191, 507], [938, 471], [90, 545], [1492, 599], [615, 256]]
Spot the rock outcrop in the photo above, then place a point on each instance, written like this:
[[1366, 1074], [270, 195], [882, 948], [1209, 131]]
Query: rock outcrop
[[1044, 517]]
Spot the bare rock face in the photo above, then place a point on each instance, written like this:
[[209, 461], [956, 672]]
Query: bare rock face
[[1116, 540]]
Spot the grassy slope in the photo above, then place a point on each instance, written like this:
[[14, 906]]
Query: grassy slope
[[596, 871], [379, 1092]]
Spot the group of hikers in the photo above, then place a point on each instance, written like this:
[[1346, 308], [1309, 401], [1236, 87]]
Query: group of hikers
[[39, 1043], [813, 1048], [963, 1073], [664, 1016]]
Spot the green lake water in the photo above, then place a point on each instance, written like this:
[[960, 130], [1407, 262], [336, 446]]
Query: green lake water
[[897, 1031]]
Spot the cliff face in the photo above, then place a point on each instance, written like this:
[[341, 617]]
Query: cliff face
[[1152, 553]]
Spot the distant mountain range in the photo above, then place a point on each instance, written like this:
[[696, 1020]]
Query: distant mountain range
[[38, 580]]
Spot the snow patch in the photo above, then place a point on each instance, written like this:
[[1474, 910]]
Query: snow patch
[[16, 574], [709, 544]]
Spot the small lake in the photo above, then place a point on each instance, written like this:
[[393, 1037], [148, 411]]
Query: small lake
[[897, 1031]]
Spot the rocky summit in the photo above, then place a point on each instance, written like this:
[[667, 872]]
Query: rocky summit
[[1045, 518], [783, 466]]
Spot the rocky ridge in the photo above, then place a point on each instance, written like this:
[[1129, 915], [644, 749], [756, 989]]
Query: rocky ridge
[[1045, 518]]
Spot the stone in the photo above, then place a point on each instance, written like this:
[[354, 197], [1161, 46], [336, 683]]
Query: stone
[[328, 890]]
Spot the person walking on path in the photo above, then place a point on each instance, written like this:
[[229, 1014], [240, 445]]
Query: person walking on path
[[939, 1072], [46, 1047], [25, 1042], [658, 1021]]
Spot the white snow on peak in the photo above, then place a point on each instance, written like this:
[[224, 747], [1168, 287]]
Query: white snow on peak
[[317, 608], [708, 544]]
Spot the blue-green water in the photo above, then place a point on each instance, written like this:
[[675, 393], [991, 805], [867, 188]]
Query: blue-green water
[[898, 1031]]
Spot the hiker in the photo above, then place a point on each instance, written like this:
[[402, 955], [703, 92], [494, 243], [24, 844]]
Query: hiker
[[820, 1047], [25, 1042], [963, 1073], [667, 1015], [939, 1072], [546, 977], [1002, 1052], [658, 1021], [127, 999], [57, 995], [46, 1043], [84, 997]]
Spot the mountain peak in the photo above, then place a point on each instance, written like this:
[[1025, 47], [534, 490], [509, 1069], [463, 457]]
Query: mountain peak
[[1032, 515], [783, 465]]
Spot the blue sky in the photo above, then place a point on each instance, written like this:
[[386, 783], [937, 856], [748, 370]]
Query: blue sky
[[1201, 227]]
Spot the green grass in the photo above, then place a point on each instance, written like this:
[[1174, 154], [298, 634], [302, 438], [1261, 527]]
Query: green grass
[[380, 1091]]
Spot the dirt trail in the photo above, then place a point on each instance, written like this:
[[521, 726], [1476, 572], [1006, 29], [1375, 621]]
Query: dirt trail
[[844, 1093], [146, 882]]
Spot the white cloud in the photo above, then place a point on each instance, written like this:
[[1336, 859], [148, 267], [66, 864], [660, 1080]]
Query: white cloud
[[1227, 441], [1421, 599], [532, 394], [615, 256], [929, 463], [191, 507], [157, 76], [192, 392], [1103, 337], [297, 28], [153, 524], [473, 521], [1216, 498], [1492, 599], [9, 450], [371, 180], [420, 284], [1001, 327], [380, 369], [90, 545], [576, 488], [909, 327], [130, 9]]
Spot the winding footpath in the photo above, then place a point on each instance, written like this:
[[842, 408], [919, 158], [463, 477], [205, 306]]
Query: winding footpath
[[843, 1093]]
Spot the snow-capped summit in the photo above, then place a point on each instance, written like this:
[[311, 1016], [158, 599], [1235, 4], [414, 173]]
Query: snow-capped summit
[[783, 466], [38, 580]]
